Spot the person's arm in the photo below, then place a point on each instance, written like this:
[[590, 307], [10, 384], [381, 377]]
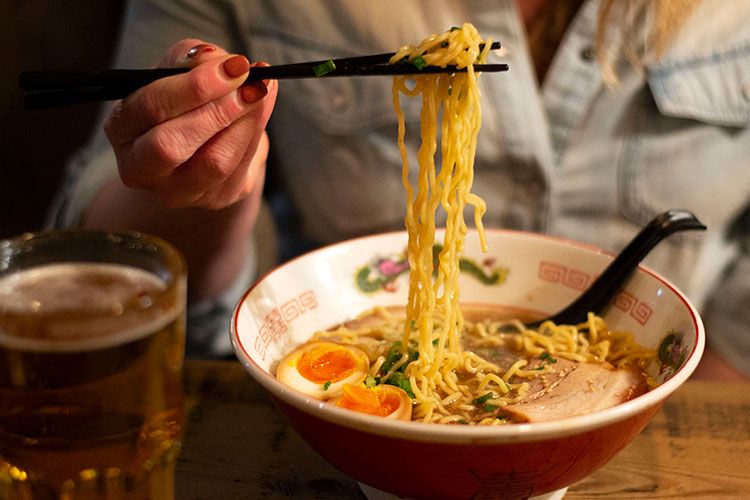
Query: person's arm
[[191, 153], [214, 242]]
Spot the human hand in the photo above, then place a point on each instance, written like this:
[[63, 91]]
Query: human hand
[[195, 139]]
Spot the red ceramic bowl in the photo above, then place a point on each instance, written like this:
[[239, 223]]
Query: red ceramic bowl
[[426, 461]]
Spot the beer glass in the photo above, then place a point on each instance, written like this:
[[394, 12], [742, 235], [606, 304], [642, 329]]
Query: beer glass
[[92, 328]]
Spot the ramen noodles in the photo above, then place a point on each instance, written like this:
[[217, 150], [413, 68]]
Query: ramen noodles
[[451, 369]]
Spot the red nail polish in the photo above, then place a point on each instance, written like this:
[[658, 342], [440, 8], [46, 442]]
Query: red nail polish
[[253, 91], [236, 66], [200, 49]]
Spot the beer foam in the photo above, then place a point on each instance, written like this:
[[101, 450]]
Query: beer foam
[[81, 306]]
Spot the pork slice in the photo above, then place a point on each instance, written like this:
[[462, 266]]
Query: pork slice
[[576, 388]]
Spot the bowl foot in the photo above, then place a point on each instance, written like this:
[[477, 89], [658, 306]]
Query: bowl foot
[[376, 494]]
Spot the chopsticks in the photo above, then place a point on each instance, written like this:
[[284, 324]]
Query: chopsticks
[[50, 89]]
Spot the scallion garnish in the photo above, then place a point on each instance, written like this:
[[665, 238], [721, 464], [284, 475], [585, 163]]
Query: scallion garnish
[[326, 385], [372, 381], [322, 69], [464, 422], [455, 28], [394, 355], [482, 399], [490, 408], [419, 62], [399, 380], [548, 357]]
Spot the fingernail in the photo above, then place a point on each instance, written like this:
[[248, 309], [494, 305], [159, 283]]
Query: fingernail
[[236, 66], [253, 91], [263, 64], [200, 49]]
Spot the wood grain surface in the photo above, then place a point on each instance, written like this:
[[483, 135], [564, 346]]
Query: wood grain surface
[[238, 446]]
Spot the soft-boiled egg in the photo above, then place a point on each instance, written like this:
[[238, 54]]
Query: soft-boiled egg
[[320, 368], [381, 400]]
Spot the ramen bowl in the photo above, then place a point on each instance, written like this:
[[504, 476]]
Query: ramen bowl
[[529, 274]]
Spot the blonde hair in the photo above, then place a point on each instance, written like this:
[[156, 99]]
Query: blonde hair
[[634, 30], [644, 31]]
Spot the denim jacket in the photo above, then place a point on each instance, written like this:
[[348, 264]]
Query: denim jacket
[[572, 157]]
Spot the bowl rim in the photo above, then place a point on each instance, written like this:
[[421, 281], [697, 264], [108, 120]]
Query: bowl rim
[[470, 434]]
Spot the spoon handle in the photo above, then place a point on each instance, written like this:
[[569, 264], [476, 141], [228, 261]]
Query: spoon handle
[[598, 295]]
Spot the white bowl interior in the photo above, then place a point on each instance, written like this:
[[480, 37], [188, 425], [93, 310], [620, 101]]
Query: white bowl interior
[[544, 274]]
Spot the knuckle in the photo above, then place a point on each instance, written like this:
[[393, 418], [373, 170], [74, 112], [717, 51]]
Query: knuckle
[[109, 126], [199, 86], [112, 124], [152, 108], [167, 146], [220, 116], [216, 165], [130, 177]]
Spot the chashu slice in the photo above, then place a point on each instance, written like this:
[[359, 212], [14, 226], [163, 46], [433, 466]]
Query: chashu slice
[[576, 388]]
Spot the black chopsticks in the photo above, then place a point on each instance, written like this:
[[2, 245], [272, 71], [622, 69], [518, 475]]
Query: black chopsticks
[[50, 89]]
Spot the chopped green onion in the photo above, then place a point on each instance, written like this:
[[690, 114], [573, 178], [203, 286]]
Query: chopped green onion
[[548, 357], [444, 45], [322, 69], [419, 62], [482, 399], [372, 381], [489, 408], [539, 368], [463, 422], [411, 325], [399, 380], [406, 386], [393, 355], [326, 385], [455, 28], [435, 342]]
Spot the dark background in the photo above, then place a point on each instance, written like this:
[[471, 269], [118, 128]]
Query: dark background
[[34, 145]]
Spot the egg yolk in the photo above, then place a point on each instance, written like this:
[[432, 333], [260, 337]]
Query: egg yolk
[[377, 401], [326, 362]]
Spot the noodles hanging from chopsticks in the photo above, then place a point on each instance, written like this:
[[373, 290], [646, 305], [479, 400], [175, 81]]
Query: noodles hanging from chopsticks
[[457, 96]]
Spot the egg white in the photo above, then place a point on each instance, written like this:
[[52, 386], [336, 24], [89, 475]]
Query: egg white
[[287, 372]]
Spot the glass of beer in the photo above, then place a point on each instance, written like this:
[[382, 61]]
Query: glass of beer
[[92, 336]]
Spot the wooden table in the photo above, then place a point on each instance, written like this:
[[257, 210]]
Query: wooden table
[[238, 446]]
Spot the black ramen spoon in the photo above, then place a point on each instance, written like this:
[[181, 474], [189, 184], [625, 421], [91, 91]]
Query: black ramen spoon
[[598, 295]]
